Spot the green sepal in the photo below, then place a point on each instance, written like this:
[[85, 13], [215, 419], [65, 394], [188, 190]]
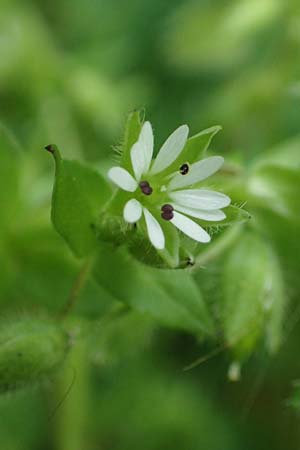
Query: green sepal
[[78, 195], [234, 215], [132, 131], [141, 248]]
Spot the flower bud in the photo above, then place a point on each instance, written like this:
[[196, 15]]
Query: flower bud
[[254, 297], [30, 349]]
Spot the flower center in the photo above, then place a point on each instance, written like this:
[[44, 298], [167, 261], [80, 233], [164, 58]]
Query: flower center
[[184, 169], [167, 212], [145, 187]]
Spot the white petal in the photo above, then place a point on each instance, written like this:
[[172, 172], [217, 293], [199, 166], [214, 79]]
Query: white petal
[[122, 178], [171, 149], [132, 211], [155, 231], [214, 215], [137, 155], [200, 199], [141, 152], [146, 138], [198, 172], [190, 228]]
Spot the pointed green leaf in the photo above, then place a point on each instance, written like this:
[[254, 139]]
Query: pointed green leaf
[[78, 196]]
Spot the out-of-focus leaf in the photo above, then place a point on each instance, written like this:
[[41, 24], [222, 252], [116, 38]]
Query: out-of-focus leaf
[[207, 38], [34, 262], [285, 155], [118, 339], [254, 297], [9, 179], [170, 297], [277, 189], [294, 399], [78, 195]]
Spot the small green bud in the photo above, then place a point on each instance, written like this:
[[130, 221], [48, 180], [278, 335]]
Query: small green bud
[[30, 349]]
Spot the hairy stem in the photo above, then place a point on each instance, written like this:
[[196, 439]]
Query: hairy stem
[[77, 286]]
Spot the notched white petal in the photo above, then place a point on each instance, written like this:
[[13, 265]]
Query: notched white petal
[[132, 211], [122, 179], [190, 228], [137, 155], [197, 172], [215, 215], [154, 230], [146, 139], [171, 149], [200, 199]]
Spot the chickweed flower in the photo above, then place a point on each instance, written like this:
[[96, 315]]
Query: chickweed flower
[[166, 188]]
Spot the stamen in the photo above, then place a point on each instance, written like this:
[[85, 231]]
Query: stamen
[[167, 212], [184, 169], [145, 188]]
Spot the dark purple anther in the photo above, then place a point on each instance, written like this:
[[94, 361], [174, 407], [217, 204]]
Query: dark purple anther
[[145, 188], [167, 212], [184, 169]]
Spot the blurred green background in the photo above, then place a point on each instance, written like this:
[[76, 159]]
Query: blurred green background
[[70, 71]]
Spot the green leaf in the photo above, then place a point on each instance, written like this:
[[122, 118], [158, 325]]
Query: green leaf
[[78, 196], [254, 297], [170, 297], [132, 131]]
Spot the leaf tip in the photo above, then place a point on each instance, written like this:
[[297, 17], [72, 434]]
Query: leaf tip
[[50, 148]]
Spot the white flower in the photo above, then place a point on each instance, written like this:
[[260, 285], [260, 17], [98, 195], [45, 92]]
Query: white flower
[[155, 186]]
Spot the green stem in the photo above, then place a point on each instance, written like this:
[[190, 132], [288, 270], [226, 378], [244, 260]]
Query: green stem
[[72, 415], [77, 286]]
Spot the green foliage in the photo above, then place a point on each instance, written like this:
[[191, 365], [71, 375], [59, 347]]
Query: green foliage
[[79, 192], [10, 179], [30, 349], [135, 324], [174, 301], [254, 296]]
